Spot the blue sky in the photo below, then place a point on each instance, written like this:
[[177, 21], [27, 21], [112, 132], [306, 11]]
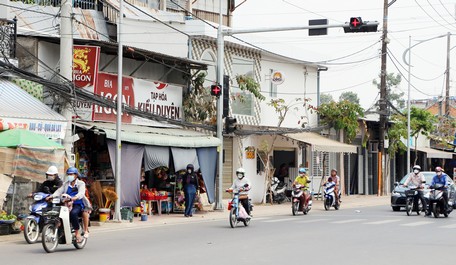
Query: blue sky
[[354, 59]]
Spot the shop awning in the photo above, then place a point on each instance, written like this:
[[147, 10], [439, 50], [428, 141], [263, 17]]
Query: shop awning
[[434, 153], [323, 144], [175, 137]]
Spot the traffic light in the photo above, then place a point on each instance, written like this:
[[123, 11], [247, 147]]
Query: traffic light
[[216, 90], [356, 24], [230, 124], [226, 96]]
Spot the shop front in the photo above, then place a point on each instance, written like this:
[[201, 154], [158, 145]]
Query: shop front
[[153, 161]]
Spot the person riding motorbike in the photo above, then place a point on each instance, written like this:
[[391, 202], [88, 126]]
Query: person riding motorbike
[[416, 178], [52, 182], [243, 185], [304, 181], [336, 180], [75, 188], [441, 178]]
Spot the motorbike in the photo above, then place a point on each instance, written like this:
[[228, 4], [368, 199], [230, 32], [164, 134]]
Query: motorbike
[[413, 202], [57, 228], [330, 198], [296, 194], [277, 190], [237, 211], [436, 203], [33, 223]]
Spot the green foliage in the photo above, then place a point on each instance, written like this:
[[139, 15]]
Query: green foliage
[[392, 84], [325, 98], [282, 108], [349, 96], [342, 115], [247, 83], [199, 106]]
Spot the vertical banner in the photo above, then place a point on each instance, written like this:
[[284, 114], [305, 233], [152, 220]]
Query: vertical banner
[[85, 72]]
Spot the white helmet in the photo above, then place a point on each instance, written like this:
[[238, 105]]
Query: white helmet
[[52, 170], [240, 171], [417, 167]]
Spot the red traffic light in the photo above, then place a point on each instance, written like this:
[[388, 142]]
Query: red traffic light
[[216, 90], [356, 23]]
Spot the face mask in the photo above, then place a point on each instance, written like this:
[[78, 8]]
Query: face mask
[[302, 174], [189, 171], [416, 171], [439, 173], [70, 178], [50, 177], [240, 176]]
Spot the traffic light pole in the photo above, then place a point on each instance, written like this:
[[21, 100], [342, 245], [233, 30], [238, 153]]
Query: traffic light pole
[[220, 72]]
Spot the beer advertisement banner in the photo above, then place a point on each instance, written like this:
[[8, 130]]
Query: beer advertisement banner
[[85, 72]]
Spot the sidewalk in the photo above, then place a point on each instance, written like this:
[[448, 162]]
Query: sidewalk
[[260, 210]]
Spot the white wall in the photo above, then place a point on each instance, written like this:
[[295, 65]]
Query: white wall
[[300, 82]]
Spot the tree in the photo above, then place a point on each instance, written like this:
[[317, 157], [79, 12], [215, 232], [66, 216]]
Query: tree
[[349, 96], [392, 84], [342, 115], [421, 122], [325, 98]]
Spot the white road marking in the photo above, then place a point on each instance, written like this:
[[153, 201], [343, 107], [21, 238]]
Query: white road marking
[[348, 221], [383, 222], [312, 221], [418, 223], [448, 226], [280, 220]]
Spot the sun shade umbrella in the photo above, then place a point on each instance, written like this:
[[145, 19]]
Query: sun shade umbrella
[[21, 137]]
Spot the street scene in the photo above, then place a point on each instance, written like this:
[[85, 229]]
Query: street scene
[[227, 131]]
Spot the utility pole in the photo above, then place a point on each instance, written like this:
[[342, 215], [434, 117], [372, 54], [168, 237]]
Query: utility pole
[[66, 69], [382, 102], [447, 85]]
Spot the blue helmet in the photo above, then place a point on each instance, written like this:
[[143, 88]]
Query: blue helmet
[[72, 170], [302, 170]]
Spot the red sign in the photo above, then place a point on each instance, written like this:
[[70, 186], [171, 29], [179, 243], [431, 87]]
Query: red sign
[[85, 65], [107, 87]]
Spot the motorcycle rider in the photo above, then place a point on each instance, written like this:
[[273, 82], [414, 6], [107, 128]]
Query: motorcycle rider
[[304, 181], [441, 178], [75, 188], [336, 180], [243, 185], [416, 178]]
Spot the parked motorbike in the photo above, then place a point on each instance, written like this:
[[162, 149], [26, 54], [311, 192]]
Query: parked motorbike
[[33, 224], [277, 190], [412, 201], [296, 194], [57, 228], [436, 203], [237, 211], [330, 198]]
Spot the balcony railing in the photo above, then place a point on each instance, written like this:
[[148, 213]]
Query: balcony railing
[[8, 30]]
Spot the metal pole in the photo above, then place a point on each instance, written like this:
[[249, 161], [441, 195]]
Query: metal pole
[[66, 68], [117, 215], [447, 85], [408, 106], [220, 71]]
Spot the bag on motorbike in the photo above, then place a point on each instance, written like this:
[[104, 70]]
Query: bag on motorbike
[[242, 212]]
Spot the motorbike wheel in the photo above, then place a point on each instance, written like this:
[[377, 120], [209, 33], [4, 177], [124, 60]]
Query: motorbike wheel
[[233, 218], [31, 231], [327, 204], [436, 210], [49, 238], [81, 244], [295, 208], [408, 205]]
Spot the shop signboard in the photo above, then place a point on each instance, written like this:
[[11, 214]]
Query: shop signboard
[[152, 97], [85, 73], [49, 129]]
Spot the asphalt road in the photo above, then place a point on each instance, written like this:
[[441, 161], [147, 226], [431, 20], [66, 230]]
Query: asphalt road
[[369, 235]]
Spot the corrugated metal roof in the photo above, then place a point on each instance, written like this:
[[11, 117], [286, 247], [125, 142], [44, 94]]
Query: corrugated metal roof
[[16, 103], [320, 143], [174, 137]]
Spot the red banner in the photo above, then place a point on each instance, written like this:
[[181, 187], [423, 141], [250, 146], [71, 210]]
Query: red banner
[[85, 65]]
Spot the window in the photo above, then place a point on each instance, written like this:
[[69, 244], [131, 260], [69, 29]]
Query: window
[[243, 102]]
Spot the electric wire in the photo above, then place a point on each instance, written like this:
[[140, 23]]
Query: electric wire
[[431, 16]]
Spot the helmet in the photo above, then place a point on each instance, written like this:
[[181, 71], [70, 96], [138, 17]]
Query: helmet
[[438, 169], [52, 170], [240, 170], [335, 170], [190, 166], [72, 170], [416, 167], [302, 170]]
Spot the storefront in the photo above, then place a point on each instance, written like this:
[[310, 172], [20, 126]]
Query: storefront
[[153, 158]]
